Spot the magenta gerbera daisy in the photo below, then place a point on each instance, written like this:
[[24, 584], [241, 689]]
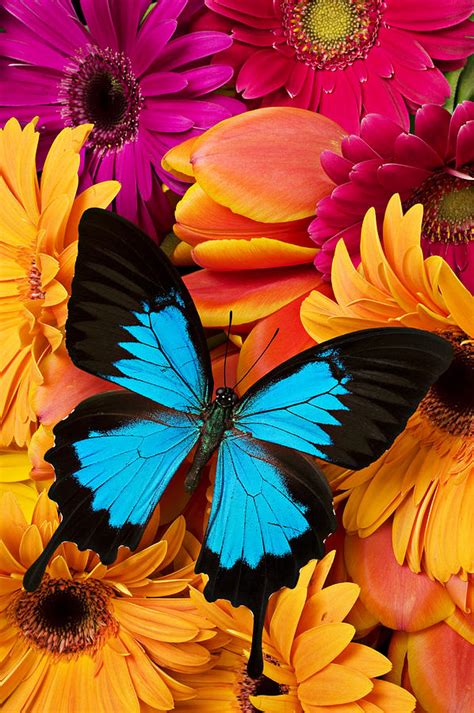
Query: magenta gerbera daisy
[[433, 166], [140, 77], [346, 58]]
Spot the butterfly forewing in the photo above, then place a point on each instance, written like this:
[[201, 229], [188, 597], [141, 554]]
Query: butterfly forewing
[[347, 399], [131, 319]]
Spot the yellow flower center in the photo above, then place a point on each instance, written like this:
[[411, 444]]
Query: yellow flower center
[[65, 617], [331, 34], [448, 214], [449, 404]]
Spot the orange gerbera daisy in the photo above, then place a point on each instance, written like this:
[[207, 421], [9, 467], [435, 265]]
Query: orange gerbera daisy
[[310, 662], [38, 242], [95, 638], [425, 480]]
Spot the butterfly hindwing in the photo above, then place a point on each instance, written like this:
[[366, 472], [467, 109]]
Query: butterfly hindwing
[[131, 320], [271, 512], [347, 399], [114, 456]]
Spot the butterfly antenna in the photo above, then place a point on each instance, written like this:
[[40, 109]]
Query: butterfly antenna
[[227, 347], [257, 359]]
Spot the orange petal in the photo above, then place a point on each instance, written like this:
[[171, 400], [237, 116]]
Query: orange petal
[[393, 699], [250, 254], [178, 160], [64, 387], [440, 668], [250, 295], [290, 340], [334, 684], [265, 164], [317, 647], [401, 599], [364, 659], [199, 217]]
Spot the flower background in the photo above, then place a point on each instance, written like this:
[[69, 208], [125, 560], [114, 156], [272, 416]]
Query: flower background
[[307, 164]]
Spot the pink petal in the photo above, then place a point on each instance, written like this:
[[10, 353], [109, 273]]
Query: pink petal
[[381, 133], [336, 167], [412, 150], [401, 179], [428, 85], [448, 44], [425, 15], [342, 103], [432, 125], [381, 96], [263, 72], [404, 47]]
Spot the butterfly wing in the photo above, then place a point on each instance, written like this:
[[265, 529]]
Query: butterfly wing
[[131, 319], [347, 399], [271, 512], [113, 455]]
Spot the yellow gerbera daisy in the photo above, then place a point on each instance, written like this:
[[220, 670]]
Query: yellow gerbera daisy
[[425, 480], [310, 662], [93, 638], [38, 243]]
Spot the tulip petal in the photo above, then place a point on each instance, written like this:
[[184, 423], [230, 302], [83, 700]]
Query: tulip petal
[[440, 668], [265, 164], [250, 254], [250, 295], [178, 160], [401, 599]]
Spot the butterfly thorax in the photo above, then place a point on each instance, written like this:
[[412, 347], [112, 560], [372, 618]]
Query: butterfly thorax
[[217, 419]]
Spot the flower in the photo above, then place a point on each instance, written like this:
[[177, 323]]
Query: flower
[[433, 166], [310, 662], [244, 220], [346, 58], [144, 82], [114, 638], [429, 467], [38, 244]]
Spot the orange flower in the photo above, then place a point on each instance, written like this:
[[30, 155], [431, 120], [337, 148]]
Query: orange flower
[[425, 480], [38, 243], [310, 662], [258, 180], [97, 638]]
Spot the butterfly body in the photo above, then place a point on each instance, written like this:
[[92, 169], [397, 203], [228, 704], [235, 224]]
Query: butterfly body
[[132, 321], [217, 419]]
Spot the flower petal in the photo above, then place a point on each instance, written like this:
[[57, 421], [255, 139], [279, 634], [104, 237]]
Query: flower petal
[[334, 685], [265, 164]]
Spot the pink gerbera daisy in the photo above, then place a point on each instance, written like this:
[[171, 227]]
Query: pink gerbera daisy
[[142, 79], [346, 58], [433, 166]]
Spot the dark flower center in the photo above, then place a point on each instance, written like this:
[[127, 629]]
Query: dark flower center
[[449, 404], [100, 87], [65, 616], [448, 214], [331, 34], [262, 686]]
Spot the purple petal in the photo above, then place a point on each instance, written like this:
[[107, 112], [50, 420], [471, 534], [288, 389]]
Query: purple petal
[[168, 9], [26, 86], [125, 172], [196, 45], [155, 117], [235, 12], [153, 36], [401, 179], [337, 167], [465, 145], [355, 149], [55, 23], [463, 113], [203, 80], [20, 43], [380, 133], [159, 83], [98, 14]]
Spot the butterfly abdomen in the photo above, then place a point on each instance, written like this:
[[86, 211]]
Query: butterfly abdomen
[[218, 419]]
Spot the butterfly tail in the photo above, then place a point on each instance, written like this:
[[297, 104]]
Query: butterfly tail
[[255, 662], [34, 574]]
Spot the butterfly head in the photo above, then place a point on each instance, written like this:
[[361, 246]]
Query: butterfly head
[[226, 397]]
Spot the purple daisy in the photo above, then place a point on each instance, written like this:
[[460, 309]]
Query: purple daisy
[[140, 77], [433, 166]]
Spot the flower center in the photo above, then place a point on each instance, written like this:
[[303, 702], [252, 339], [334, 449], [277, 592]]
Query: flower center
[[34, 283], [448, 214], [100, 87], [262, 686], [65, 616], [331, 34], [449, 404]]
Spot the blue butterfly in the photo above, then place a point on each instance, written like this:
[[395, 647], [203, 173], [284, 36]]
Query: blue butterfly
[[132, 321]]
